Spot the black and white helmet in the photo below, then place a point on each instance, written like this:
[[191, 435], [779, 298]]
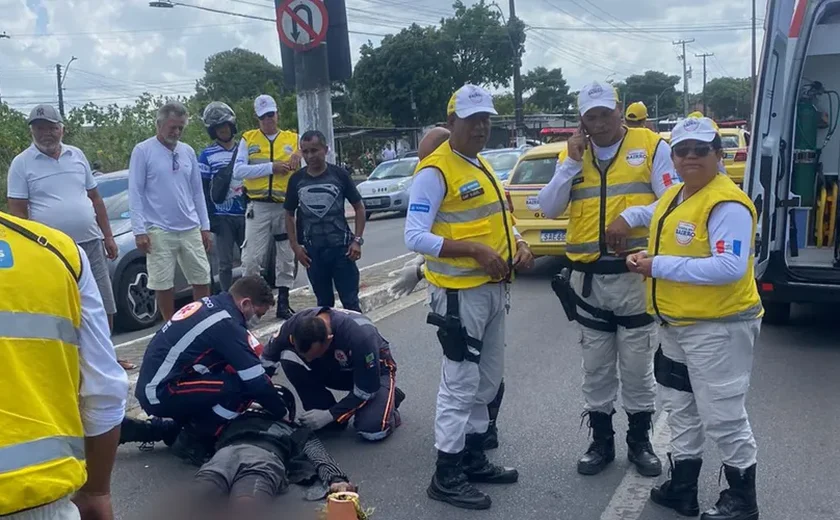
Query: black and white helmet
[[218, 113]]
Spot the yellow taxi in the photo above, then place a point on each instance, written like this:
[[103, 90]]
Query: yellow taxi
[[545, 236], [736, 141]]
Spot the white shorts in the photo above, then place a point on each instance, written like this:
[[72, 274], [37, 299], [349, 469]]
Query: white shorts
[[171, 248]]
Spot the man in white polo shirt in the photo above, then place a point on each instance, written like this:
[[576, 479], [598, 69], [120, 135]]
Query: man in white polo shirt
[[168, 211], [52, 183]]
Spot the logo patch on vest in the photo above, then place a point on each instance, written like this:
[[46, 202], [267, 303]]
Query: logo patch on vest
[[254, 148], [288, 149], [255, 344], [186, 311], [685, 232], [636, 157], [471, 190], [7, 259], [341, 357]]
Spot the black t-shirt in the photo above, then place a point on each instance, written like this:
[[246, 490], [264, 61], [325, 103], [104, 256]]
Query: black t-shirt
[[319, 202]]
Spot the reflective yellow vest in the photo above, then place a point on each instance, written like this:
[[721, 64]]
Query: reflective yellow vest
[[41, 437], [271, 188], [682, 230], [474, 210], [594, 205]]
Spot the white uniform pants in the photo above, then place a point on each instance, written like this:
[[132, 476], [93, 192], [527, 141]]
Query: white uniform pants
[[268, 219], [628, 352], [466, 388], [62, 509], [719, 358]]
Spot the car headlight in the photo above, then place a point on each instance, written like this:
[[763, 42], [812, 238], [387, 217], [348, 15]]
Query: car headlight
[[400, 186]]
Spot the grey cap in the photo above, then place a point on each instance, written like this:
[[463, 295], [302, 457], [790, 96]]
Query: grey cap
[[44, 113]]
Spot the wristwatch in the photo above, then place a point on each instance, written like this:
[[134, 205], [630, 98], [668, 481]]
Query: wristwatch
[[359, 240]]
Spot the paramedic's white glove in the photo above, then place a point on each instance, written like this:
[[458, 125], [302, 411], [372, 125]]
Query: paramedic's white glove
[[407, 278], [316, 419]]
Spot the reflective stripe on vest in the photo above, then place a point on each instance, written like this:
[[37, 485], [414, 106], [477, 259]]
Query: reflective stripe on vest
[[594, 247], [753, 313], [40, 451], [467, 215], [37, 326], [451, 270], [630, 188]]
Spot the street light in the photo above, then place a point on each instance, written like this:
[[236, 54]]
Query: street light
[[170, 5], [4, 35]]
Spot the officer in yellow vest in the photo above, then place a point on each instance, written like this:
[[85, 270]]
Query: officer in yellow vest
[[459, 220], [265, 160], [701, 287], [63, 392], [636, 115], [606, 168]]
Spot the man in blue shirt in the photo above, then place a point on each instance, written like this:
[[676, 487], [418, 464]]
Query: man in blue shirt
[[227, 218]]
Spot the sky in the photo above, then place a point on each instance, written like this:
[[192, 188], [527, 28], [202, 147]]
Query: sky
[[124, 47]]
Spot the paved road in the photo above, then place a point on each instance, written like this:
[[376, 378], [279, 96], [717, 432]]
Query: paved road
[[793, 407], [383, 241]]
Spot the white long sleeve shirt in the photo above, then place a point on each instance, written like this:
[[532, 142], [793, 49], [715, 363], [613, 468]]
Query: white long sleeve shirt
[[555, 196], [243, 170], [427, 192], [104, 383], [730, 240]]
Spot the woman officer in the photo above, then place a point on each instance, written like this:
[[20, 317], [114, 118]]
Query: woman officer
[[701, 288]]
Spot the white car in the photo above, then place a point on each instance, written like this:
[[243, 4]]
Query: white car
[[386, 189]]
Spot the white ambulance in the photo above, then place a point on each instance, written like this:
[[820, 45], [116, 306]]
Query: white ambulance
[[794, 163]]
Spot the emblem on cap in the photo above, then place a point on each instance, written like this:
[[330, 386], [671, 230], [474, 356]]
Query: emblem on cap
[[476, 96], [39, 112], [691, 125], [596, 91]]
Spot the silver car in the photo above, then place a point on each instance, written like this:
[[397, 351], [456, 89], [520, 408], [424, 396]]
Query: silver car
[[387, 188], [136, 304]]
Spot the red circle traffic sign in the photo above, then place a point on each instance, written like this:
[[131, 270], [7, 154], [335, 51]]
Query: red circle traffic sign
[[302, 24]]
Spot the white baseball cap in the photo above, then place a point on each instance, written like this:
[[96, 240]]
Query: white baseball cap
[[264, 104], [469, 100], [694, 129], [597, 94]]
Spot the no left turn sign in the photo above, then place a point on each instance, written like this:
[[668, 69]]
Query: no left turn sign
[[302, 24]]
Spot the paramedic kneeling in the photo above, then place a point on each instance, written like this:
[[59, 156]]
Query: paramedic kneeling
[[202, 369], [701, 287]]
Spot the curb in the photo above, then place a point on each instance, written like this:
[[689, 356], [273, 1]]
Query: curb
[[370, 300]]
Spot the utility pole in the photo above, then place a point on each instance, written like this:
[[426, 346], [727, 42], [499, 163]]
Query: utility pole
[[59, 81], [3, 35], [517, 79], [704, 56], [685, 74], [752, 66]]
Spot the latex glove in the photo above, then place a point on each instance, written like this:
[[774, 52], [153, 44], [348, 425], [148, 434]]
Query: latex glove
[[316, 419], [407, 278]]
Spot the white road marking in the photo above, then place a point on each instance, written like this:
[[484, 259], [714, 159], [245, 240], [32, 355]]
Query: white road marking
[[632, 494], [305, 289]]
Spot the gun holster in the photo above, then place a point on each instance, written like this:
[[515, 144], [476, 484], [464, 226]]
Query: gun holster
[[670, 373], [457, 344], [562, 286]]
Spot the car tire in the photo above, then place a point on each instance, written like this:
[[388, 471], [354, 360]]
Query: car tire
[[136, 305], [368, 215], [776, 313]]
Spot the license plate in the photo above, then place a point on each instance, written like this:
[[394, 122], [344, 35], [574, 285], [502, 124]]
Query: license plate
[[373, 203], [553, 236]]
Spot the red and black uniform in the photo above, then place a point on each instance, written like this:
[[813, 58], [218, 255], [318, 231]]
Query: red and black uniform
[[203, 368], [358, 361]]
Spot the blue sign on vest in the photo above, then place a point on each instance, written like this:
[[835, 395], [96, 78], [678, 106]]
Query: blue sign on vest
[[7, 260]]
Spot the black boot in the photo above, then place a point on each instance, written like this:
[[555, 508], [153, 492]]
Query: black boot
[[284, 312], [491, 438], [149, 431], [680, 492], [738, 502], [399, 397], [193, 448], [450, 484], [479, 469], [602, 450], [639, 450]]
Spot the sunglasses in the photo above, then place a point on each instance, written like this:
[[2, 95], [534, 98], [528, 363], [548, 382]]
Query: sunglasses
[[700, 150], [267, 115], [175, 164]]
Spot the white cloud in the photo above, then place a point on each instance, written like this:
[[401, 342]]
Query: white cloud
[[124, 47]]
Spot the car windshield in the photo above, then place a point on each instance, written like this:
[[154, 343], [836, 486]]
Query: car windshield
[[534, 171], [502, 161], [115, 194], [393, 170], [730, 141]]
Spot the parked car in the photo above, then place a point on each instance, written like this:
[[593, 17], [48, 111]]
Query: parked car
[[503, 160], [736, 144], [545, 236], [136, 304], [387, 187]]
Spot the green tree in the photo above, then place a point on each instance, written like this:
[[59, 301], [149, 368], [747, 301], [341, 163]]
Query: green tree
[[649, 87], [235, 74], [549, 90], [14, 138], [729, 98]]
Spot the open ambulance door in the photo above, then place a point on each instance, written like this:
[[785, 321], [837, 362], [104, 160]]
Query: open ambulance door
[[769, 152]]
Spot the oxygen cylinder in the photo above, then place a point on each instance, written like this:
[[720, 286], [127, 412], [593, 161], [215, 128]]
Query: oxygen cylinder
[[805, 152]]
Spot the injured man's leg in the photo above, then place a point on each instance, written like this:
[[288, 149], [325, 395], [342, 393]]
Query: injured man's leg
[[245, 473]]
